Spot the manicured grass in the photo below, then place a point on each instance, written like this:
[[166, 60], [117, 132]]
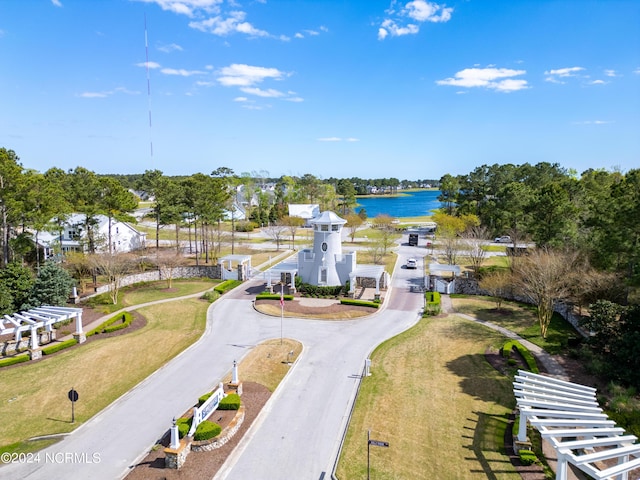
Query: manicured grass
[[267, 364], [149, 292], [519, 318], [33, 397], [442, 408]]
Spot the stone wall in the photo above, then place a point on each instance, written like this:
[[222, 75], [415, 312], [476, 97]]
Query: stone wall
[[201, 271], [226, 434], [11, 347]]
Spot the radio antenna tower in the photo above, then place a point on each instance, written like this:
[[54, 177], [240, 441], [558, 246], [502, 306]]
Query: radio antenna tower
[[146, 48]]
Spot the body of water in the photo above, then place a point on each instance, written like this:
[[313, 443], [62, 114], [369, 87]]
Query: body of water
[[412, 204]]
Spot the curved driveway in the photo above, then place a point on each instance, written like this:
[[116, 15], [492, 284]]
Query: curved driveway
[[298, 431]]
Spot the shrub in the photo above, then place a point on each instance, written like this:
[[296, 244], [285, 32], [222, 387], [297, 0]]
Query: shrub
[[5, 362], [230, 402], [227, 285], [527, 457], [184, 424], [56, 347], [273, 296], [526, 354], [361, 303], [204, 398], [210, 296], [206, 430], [432, 305], [245, 226]]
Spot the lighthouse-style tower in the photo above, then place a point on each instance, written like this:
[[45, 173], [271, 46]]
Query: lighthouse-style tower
[[325, 264]]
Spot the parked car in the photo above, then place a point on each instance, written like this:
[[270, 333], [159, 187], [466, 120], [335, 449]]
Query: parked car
[[412, 263], [503, 239]]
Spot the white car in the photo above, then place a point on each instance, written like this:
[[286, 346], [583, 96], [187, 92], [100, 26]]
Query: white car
[[503, 239], [412, 263]]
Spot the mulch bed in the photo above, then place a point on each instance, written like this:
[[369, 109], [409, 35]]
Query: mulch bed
[[201, 465], [295, 307]]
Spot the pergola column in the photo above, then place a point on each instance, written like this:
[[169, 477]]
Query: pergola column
[[34, 337], [522, 427], [79, 335]]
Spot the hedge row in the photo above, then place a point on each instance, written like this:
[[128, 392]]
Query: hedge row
[[527, 457], [56, 347], [361, 303], [432, 306], [227, 285], [108, 325], [526, 354], [273, 296], [5, 362], [230, 402]]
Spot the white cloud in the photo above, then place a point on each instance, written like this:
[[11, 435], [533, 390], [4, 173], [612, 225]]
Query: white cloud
[[299, 35], [564, 72], [338, 139], [419, 11], [598, 82], [107, 93], [234, 23], [150, 65], [241, 99], [424, 11], [268, 93], [172, 47], [56, 3], [493, 78], [241, 75], [181, 72], [187, 7], [637, 71], [593, 122], [556, 76], [610, 73], [248, 77]]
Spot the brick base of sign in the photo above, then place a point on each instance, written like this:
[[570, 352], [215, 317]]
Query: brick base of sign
[[226, 434], [234, 388], [175, 458]]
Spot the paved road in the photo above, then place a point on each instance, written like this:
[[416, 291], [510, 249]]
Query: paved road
[[304, 420]]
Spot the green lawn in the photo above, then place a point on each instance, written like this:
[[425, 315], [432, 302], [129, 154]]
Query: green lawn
[[442, 408], [519, 318], [33, 395]]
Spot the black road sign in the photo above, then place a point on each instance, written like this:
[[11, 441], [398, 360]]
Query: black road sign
[[73, 395], [378, 443]]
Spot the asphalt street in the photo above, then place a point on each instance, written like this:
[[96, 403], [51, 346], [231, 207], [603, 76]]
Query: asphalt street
[[297, 435]]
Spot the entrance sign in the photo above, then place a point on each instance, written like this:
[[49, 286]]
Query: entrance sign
[[378, 443], [207, 408]]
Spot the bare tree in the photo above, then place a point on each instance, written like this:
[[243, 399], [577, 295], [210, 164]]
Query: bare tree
[[497, 284], [474, 237], [77, 264], [354, 221], [114, 266], [276, 232], [168, 261], [292, 224], [545, 277]]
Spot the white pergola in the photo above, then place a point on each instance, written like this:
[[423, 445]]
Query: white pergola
[[275, 273], [40, 317], [569, 417], [366, 271]]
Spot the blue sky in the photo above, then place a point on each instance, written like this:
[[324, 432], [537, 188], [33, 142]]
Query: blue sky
[[370, 88]]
